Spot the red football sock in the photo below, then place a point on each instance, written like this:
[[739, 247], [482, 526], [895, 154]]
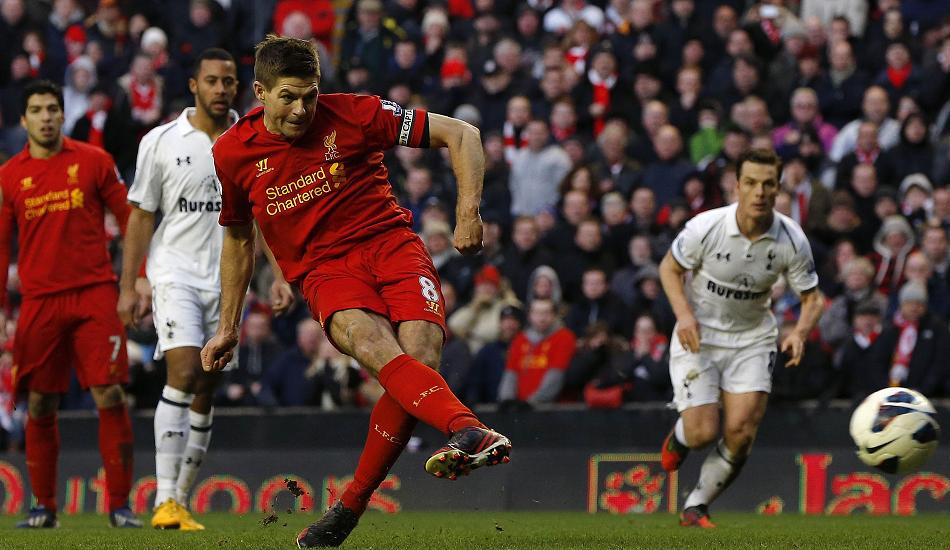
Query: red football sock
[[423, 393], [42, 453], [389, 431], [115, 446]]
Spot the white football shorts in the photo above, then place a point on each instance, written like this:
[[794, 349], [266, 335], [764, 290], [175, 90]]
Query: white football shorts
[[698, 377], [185, 316]]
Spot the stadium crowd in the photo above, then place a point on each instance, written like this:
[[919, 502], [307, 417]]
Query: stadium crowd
[[606, 126]]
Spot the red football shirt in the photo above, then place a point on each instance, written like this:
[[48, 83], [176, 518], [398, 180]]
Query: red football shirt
[[58, 205], [323, 193], [532, 361]]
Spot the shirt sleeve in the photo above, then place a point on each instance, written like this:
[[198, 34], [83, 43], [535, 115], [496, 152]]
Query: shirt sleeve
[[235, 203], [113, 192], [687, 247], [386, 124], [800, 273], [146, 190]]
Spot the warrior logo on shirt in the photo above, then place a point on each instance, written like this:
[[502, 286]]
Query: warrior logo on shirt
[[72, 174], [26, 183], [262, 167], [330, 143]]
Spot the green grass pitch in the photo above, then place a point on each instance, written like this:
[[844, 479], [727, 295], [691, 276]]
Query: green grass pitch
[[505, 530]]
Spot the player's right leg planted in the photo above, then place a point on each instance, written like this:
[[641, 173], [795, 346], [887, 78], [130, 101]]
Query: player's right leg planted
[[42, 453], [171, 432], [719, 470], [674, 448]]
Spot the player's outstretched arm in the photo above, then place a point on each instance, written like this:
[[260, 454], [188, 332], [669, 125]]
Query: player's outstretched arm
[[138, 235], [468, 163], [237, 266], [671, 277], [813, 304]]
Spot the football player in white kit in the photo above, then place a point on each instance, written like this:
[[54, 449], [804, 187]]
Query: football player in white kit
[[724, 349], [175, 175]]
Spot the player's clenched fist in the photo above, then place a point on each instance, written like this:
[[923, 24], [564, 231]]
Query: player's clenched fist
[[687, 329], [468, 235], [219, 351]]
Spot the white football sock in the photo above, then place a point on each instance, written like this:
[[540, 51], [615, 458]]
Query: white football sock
[[679, 432], [719, 470], [171, 432], [199, 436]]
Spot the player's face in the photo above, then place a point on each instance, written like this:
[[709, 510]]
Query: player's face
[[290, 105], [43, 119], [214, 87], [758, 187]]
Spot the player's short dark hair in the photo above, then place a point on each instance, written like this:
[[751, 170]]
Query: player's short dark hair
[[759, 156], [278, 56], [41, 87], [210, 54]]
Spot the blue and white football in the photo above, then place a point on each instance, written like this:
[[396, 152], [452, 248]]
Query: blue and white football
[[895, 430]]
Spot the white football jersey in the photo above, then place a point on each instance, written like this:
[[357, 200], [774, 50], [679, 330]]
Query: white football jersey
[[730, 291], [174, 173]]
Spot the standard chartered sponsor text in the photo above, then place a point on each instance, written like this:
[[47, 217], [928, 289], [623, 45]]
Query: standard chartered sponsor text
[[304, 189]]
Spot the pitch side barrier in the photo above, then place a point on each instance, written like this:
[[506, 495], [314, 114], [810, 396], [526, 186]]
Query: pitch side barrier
[[564, 458]]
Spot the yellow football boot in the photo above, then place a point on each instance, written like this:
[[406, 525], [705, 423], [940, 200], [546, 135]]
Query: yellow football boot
[[167, 515], [187, 522]]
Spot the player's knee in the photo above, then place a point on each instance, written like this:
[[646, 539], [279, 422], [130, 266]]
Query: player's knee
[[740, 435], [107, 396], [702, 434], [42, 405]]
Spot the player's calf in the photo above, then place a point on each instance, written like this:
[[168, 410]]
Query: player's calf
[[468, 449]]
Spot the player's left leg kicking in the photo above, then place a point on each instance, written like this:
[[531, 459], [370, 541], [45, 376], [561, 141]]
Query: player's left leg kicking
[[183, 417]]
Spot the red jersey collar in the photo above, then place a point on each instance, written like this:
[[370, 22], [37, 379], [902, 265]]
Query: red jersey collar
[[68, 145], [247, 129]]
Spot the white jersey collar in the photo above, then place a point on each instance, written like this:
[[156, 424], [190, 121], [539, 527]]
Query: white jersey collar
[[184, 124], [732, 226]]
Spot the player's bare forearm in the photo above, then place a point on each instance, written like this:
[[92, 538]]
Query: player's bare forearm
[[671, 277], [138, 235], [237, 266], [468, 163], [813, 304]]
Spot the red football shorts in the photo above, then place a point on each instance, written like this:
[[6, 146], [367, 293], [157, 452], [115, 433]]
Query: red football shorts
[[391, 274], [75, 328]]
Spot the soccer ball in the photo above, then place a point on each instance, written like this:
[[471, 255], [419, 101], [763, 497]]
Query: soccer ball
[[895, 430]]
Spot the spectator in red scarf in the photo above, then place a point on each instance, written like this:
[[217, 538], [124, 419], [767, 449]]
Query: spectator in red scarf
[[912, 352], [892, 245], [91, 126], [900, 77]]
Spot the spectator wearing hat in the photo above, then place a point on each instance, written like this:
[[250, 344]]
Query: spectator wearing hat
[[912, 351], [892, 245], [488, 365], [538, 357], [858, 281], [916, 203], [80, 80], [478, 321]]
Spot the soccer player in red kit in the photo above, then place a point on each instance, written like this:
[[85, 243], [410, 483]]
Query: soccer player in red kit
[[311, 174], [55, 192]]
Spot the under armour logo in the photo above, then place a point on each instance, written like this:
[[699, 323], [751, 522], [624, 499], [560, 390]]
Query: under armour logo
[[770, 256], [185, 160], [720, 256], [173, 434]]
